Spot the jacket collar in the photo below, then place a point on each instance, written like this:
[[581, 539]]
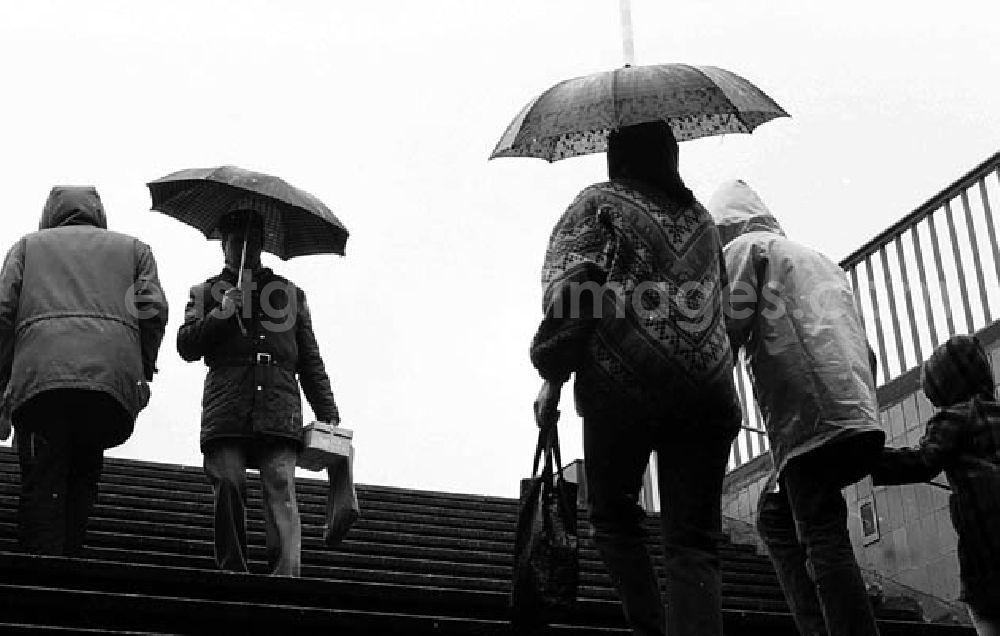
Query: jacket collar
[[259, 274]]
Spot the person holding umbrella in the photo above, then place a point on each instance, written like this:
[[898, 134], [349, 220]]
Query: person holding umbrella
[[653, 372], [254, 331], [632, 305]]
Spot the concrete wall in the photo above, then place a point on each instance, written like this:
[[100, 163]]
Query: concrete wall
[[915, 548], [916, 543]]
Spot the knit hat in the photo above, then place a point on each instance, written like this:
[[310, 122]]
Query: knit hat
[[957, 371]]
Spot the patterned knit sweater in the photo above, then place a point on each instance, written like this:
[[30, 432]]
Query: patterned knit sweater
[[633, 305]]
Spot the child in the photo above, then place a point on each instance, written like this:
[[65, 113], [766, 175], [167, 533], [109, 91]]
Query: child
[[963, 440]]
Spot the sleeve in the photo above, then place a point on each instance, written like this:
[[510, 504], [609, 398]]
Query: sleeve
[[574, 271], [312, 373], [11, 277], [935, 452], [202, 321], [902, 466], [152, 309], [745, 266]]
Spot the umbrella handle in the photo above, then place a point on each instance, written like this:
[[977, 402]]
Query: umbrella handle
[[239, 277]]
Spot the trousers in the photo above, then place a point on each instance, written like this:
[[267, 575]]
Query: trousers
[[61, 455], [691, 467], [225, 465], [804, 527]]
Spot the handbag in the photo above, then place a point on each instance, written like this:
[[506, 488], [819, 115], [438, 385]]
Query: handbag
[[546, 547], [342, 508]]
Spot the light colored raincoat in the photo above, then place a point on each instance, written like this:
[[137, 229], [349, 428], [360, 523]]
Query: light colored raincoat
[[793, 312]]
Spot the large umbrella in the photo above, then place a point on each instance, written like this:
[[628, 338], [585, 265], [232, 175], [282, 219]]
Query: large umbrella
[[575, 116], [295, 222]]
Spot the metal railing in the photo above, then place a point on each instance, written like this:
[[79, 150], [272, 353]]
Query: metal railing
[[931, 275], [751, 441]]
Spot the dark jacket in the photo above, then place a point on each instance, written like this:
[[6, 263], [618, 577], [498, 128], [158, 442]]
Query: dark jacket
[[247, 394], [964, 442], [80, 308]]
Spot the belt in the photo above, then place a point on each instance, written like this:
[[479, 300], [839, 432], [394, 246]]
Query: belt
[[254, 359]]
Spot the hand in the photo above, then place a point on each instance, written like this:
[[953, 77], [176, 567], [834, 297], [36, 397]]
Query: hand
[[144, 393], [546, 411], [232, 301]]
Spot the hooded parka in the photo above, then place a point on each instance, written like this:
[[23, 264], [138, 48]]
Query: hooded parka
[[80, 308], [792, 310]]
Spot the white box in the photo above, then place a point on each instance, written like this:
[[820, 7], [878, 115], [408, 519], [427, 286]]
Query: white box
[[323, 444]]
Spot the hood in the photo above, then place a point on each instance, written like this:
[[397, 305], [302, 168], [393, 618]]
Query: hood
[[73, 205], [737, 209], [957, 370]]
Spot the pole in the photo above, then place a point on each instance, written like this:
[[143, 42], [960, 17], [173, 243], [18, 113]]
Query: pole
[[628, 47]]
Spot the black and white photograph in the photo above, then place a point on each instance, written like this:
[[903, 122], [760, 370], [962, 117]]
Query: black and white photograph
[[523, 318]]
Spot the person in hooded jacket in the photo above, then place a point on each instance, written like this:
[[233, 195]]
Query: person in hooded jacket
[[963, 440], [632, 306], [258, 343], [82, 316], [792, 311]]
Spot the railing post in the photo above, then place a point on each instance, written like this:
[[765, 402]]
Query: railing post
[[886, 274], [741, 388], [857, 297], [945, 299], [908, 297], [990, 229], [971, 229], [923, 286], [959, 267], [879, 334]]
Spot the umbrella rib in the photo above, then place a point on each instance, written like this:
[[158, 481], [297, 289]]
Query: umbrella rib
[[736, 109]]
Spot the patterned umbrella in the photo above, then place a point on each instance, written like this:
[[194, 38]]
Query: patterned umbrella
[[295, 222], [575, 116]]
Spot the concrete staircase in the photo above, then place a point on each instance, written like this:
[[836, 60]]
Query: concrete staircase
[[416, 563]]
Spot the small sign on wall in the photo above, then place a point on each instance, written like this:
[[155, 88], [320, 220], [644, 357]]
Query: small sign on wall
[[869, 520]]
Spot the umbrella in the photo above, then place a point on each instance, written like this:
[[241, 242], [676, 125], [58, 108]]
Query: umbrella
[[575, 116], [295, 222]]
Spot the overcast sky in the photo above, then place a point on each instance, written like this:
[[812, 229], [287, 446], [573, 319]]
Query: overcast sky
[[388, 110]]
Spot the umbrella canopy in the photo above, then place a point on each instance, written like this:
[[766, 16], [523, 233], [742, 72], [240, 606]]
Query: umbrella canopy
[[575, 116], [295, 222]]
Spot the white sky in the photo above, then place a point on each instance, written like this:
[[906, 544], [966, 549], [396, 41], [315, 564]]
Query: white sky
[[387, 111]]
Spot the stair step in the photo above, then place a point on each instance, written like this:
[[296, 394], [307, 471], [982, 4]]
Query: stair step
[[13, 629], [156, 581], [416, 562]]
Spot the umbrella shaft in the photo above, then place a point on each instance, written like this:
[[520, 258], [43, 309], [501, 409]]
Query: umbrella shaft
[[239, 277], [628, 47], [243, 260]]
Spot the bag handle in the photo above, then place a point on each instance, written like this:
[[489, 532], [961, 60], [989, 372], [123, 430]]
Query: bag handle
[[548, 443]]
